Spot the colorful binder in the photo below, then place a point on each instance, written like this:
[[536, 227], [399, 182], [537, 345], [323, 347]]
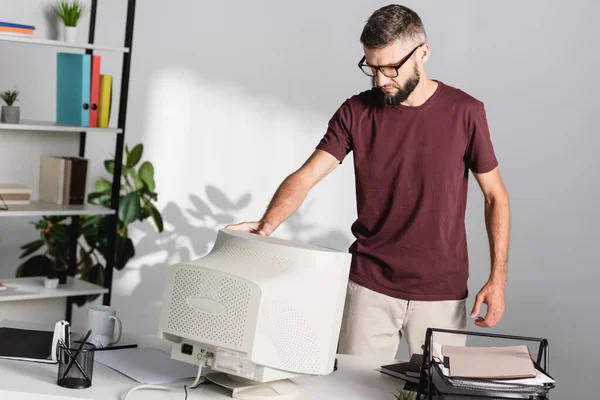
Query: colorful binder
[[104, 101], [94, 91], [73, 89]]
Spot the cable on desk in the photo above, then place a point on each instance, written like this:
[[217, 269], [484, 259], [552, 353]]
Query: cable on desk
[[185, 387], [194, 384]]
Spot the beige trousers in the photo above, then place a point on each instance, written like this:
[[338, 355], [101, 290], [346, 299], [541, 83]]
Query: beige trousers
[[373, 323]]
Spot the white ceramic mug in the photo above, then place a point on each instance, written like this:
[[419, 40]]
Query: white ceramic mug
[[102, 320]]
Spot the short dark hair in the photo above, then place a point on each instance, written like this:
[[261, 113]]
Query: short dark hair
[[391, 23]]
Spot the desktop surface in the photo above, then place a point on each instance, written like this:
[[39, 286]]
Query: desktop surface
[[357, 378]]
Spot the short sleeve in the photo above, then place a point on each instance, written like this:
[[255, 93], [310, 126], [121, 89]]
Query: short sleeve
[[480, 156], [337, 140]]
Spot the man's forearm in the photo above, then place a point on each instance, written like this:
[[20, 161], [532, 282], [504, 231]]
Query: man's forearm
[[497, 219], [287, 199]]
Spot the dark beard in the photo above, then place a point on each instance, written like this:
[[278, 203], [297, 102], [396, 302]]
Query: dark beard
[[402, 92]]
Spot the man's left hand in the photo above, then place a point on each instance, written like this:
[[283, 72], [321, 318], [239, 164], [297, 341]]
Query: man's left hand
[[492, 295]]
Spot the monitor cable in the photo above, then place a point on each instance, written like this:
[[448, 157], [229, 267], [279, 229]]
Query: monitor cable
[[203, 362]]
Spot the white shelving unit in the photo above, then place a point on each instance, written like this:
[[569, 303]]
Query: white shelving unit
[[58, 43], [47, 126], [33, 289], [40, 208], [26, 299]]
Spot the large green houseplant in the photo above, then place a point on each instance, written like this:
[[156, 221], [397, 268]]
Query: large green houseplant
[[137, 197]]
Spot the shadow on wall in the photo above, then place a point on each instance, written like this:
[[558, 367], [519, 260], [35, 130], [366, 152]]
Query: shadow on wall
[[188, 235], [300, 230]]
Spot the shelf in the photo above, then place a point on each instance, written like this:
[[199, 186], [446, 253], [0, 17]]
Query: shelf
[[33, 288], [39, 208], [60, 43], [54, 127]]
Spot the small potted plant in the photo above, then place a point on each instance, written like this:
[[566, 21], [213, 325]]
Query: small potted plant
[[51, 280], [10, 114], [52, 262], [70, 12], [402, 394]]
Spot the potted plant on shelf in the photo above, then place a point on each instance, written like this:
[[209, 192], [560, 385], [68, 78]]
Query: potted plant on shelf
[[137, 197], [10, 114], [52, 264], [70, 12]]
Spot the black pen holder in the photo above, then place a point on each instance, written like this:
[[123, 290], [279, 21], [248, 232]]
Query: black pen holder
[[75, 365]]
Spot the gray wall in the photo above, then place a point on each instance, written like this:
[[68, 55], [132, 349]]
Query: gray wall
[[232, 97]]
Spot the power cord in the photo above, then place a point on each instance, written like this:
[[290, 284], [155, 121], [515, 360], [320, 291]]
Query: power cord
[[194, 384]]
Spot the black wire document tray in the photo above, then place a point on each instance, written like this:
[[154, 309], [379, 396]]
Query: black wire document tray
[[435, 378]]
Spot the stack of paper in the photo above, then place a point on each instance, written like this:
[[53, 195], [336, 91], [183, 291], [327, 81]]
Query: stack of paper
[[477, 375], [509, 362]]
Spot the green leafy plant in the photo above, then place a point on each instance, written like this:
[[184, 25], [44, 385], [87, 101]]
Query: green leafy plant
[[136, 204], [70, 11], [10, 96], [54, 237], [137, 197], [404, 395]]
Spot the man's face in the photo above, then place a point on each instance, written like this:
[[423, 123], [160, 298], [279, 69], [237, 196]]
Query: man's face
[[397, 89]]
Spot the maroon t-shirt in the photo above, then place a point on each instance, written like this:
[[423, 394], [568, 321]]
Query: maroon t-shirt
[[411, 168]]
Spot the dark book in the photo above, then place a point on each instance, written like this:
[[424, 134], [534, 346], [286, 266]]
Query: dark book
[[414, 365], [398, 370], [78, 180], [411, 386]]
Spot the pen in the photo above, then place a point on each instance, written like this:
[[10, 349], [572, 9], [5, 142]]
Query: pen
[[125, 346], [66, 340], [74, 360], [77, 351]]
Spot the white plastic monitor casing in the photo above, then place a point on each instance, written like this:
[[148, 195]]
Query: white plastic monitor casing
[[267, 308]]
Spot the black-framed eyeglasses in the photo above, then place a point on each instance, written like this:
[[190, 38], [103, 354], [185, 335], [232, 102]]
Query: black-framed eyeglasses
[[390, 71]]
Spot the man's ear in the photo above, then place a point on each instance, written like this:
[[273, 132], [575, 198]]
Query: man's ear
[[423, 53]]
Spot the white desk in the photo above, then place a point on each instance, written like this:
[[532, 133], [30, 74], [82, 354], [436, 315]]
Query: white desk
[[355, 379]]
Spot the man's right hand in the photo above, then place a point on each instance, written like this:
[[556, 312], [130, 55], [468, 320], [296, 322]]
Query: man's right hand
[[259, 227]]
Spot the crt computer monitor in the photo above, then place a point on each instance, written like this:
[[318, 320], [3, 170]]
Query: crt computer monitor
[[265, 309]]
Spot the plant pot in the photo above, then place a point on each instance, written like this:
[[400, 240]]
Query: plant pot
[[50, 283], [61, 274], [10, 114], [70, 34]]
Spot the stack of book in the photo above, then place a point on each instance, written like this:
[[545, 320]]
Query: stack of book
[[14, 29], [14, 194], [407, 371], [83, 95], [63, 180]]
